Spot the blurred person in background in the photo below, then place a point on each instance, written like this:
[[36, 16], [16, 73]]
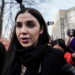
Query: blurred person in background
[[70, 40], [59, 43], [68, 54]]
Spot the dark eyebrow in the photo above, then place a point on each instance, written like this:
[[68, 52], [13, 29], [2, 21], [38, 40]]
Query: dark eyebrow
[[17, 23], [31, 21]]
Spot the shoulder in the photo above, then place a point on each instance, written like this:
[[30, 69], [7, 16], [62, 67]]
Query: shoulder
[[54, 57], [72, 38], [54, 54], [55, 51]]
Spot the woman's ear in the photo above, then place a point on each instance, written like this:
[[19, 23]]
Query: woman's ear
[[41, 31]]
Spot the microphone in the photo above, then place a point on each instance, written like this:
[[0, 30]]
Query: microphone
[[69, 68]]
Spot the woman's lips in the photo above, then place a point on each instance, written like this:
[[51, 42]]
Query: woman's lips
[[25, 40]]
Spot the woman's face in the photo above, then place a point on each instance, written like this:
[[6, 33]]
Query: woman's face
[[27, 29]]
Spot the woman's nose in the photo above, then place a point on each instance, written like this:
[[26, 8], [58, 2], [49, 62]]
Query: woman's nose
[[24, 30]]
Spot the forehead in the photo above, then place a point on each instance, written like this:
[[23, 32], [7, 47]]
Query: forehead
[[26, 16]]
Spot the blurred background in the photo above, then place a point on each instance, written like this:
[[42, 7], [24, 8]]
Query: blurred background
[[59, 15]]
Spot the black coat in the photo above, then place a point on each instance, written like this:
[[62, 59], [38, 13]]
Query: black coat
[[51, 61], [2, 56]]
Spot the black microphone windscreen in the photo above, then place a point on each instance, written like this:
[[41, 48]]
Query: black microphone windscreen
[[67, 66], [69, 69]]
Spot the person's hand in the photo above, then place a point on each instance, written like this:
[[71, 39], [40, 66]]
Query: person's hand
[[5, 42]]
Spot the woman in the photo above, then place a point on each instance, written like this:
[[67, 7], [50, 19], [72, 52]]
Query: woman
[[70, 41], [29, 47]]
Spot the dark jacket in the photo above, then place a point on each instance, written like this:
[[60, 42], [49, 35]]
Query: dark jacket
[[2, 56], [51, 61]]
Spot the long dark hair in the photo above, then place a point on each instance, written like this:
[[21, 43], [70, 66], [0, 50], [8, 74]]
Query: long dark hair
[[14, 43]]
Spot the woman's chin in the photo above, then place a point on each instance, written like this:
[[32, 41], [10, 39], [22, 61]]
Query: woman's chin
[[26, 45]]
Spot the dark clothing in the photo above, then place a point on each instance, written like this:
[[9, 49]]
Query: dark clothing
[[2, 56], [69, 59], [72, 44], [51, 61]]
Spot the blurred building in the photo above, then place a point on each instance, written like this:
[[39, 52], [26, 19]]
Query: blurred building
[[65, 19]]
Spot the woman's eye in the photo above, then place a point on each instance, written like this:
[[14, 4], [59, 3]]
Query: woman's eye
[[19, 25], [30, 24]]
